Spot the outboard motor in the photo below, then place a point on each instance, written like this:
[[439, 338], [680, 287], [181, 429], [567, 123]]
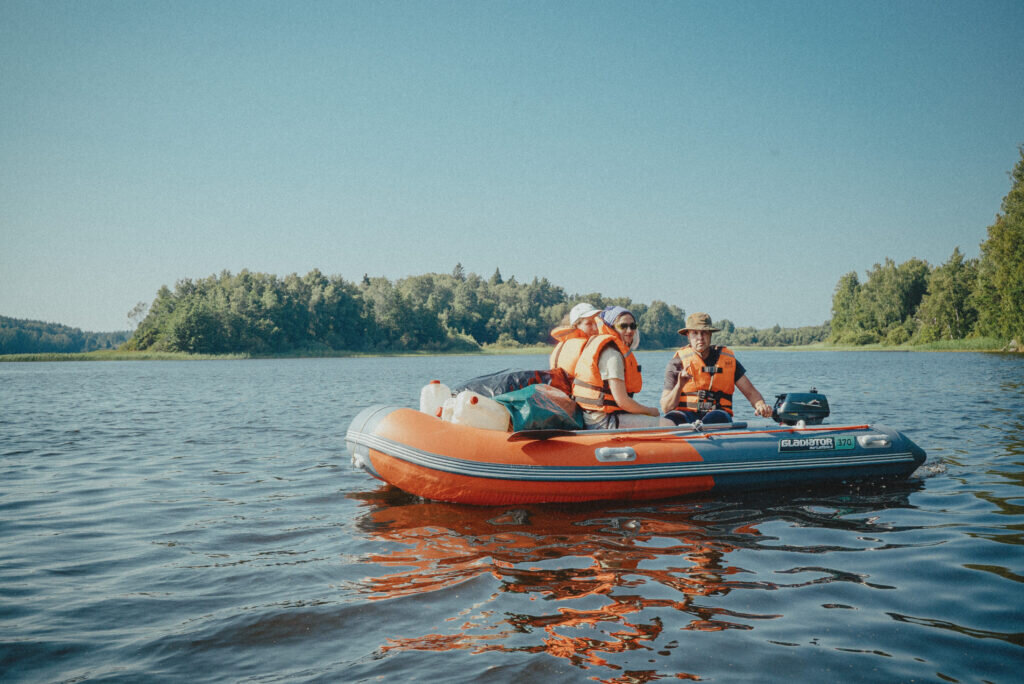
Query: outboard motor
[[809, 408]]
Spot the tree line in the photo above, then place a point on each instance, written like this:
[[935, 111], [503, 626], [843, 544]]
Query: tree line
[[917, 303], [261, 313], [20, 336], [776, 336]]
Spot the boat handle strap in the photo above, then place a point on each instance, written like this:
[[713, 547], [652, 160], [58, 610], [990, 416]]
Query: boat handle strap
[[615, 454], [878, 441]]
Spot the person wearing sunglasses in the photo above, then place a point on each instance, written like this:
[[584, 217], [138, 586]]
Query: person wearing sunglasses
[[700, 379], [607, 376]]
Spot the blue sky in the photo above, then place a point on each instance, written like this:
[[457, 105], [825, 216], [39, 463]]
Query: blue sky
[[732, 157]]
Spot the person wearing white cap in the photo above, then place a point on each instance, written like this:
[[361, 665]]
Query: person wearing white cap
[[580, 326]]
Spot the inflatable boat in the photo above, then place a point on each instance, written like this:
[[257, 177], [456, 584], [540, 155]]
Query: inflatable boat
[[443, 461]]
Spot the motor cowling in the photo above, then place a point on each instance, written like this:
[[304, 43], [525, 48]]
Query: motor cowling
[[809, 407]]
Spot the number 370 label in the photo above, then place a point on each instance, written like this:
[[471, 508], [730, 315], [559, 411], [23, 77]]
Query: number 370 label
[[817, 443]]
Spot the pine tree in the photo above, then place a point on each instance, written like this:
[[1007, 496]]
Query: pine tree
[[999, 295]]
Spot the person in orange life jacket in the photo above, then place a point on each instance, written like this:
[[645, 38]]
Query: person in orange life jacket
[[608, 375], [700, 378], [579, 326]]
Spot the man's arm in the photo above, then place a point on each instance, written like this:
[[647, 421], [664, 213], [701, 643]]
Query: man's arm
[[754, 397], [675, 378], [670, 397]]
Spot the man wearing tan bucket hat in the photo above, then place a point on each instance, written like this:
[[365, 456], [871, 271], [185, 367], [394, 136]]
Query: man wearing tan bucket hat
[[700, 378]]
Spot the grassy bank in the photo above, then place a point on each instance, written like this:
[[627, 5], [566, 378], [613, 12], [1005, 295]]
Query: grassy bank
[[114, 355], [486, 350], [978, 344], [981, 344]]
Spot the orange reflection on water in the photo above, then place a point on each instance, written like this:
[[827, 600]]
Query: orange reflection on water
[[597, 581]]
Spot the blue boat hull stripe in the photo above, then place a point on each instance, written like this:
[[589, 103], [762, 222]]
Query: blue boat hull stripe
[[607, 473]]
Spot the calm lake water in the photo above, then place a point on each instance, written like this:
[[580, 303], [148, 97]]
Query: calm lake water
[[200, 520]]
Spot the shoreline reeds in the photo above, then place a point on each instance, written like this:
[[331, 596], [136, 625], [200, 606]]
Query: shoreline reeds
[[980, 344]]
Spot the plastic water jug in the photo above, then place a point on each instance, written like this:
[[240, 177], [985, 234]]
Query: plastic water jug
[[480, 411], [433, 396], [448, 409]]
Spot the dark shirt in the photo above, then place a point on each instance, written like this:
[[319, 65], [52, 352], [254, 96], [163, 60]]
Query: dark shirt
[[674, 366]]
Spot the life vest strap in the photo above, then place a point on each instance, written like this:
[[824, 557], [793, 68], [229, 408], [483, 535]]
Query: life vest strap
[[708, 400], [558, 352], [597, 403], [587, 385], [708, 394]]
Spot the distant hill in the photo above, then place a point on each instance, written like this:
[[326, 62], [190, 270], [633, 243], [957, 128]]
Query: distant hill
[[18, 336]]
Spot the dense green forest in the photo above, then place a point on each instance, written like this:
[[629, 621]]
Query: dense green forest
[[914, 302], [263, 314], [19, 336]]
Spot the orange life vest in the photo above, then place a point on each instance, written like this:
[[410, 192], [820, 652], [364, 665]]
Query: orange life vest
[[588, 389], [571, 341], [709, 387]]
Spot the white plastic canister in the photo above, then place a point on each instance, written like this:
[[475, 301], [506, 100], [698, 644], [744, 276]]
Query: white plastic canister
[[480, 411], [433, 396], [448, 409]]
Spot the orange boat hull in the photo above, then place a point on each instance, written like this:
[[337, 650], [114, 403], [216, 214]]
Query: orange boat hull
[[438, 460]]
